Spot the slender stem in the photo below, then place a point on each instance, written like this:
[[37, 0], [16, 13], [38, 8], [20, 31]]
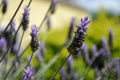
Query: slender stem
[[29, 3], [19, 45], [30, 59], [9, 46], [4, 67], [45, 17], [53, 76], [8, 72], [1, 4], [85, 74], [11, 42], [15, 56], [12, 18], [38, 27]]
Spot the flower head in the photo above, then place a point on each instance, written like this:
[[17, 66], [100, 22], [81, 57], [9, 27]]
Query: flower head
[[25, 18], [28, 74], [15, 48], [94, 50], [12, 28], [34, 32], [53, 6], [80, 34], [70, 64], [72, 23], [4, 8], [3, 44], [99, 60], [106, 48], [34, 40]]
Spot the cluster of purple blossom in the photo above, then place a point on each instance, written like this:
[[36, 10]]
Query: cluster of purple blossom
[[100, 60]]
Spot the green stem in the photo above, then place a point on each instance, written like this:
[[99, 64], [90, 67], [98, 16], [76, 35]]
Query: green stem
[[11, 42], [12, 18], [38, 28], [15, 57], [45, 17], [53, 76], [30, 59]]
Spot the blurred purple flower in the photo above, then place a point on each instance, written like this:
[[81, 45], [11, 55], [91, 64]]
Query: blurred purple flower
[[74, 76], [12, 28], [5, 4], [70, 64], [14, 48], [25, 18], [99, 60], [80, 34], [106, 48], [72, 23], [28, 74], [94, 50], [85, 54], [34, 40], [34, 32], [3, 44], [53, 6], [62, 73]]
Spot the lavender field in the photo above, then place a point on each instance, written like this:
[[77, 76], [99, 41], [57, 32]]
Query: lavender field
[[48, 40]]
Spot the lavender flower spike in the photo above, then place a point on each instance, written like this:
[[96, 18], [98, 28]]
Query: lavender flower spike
[[53, 6], [34, 32], [34, 40], [4, 3], [3, 45], [72, 23], [80, 34], [106, 48], [28, 74], [70, 64], [25, 18], [94, 50]]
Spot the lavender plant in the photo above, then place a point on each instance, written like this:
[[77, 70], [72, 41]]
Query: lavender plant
[[14, 67], [101, 60]]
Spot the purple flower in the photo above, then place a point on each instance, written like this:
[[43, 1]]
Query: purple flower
[[62, 73], [70, 64], [25, 18], [85, 54], [34, 32], [28, 74], [4, 8], [99, 60], [94, 50], [72, 23], [110, 37], [80, 34], [106, 48], [34, 40], [74, 76], [53, 6], [15, 48], [12, 28], [3, 44]]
